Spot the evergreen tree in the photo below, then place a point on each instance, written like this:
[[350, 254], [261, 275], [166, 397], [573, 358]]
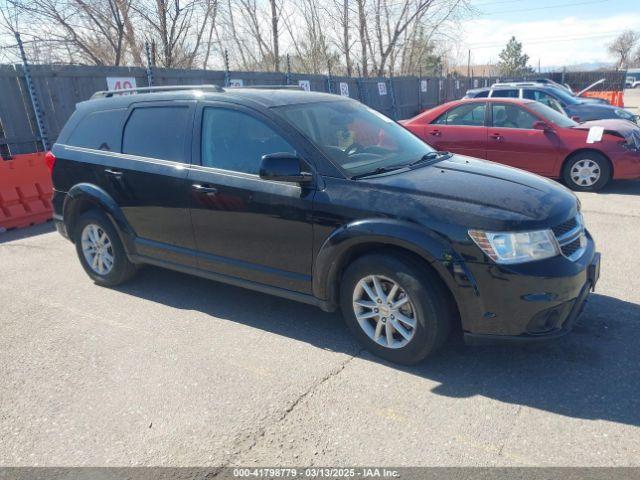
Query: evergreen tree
[[513, 62]]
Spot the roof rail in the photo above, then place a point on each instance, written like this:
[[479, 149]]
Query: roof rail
[[518, 84], [271, 87], [164, 88]]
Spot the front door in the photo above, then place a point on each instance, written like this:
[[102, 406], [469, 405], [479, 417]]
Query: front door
[[460, 129], [512, 140], [244, 226]]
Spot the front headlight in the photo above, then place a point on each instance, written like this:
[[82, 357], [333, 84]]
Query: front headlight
[[516, 247]]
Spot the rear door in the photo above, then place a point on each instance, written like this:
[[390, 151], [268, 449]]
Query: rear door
[[246, 227], [139, 155], [461, 129], [512, 140]]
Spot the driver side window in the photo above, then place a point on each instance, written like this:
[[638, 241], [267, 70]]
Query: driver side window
[[236, 141], [511, 116], [543, 98]]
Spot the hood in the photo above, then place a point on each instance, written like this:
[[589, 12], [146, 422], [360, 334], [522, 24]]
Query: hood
[[601, 101], [624, 129], [480, 194]]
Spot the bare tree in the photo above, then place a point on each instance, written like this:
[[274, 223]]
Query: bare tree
[[383, 36], [622, 46], [91, 30]]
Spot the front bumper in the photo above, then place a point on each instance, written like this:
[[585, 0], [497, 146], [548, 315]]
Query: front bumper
[[527, 302]]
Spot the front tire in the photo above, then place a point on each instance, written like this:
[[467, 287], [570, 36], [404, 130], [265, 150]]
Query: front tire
[[396, 310], [100, 250], [586, 172]]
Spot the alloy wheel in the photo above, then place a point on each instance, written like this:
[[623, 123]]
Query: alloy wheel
[[97, 249], [384, 311]]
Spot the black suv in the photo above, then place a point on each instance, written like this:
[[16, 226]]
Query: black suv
[[320, 199]]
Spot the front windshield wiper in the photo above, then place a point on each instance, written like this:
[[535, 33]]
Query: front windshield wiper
[[431, 158], [377, 171]]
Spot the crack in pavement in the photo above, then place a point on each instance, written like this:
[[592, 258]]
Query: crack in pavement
[[262, 431], [608, 214]]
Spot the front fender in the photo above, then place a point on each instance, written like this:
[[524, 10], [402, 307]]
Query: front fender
[[332, 256], [81, 194]]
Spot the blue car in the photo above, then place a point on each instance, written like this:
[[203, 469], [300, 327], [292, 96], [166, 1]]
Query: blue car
[[578, 108]]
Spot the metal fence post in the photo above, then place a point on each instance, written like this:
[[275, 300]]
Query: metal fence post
[[329, 78], [288, 76], [394, 106], [420, 89], [149, 67], [227, 75], [32, 94]]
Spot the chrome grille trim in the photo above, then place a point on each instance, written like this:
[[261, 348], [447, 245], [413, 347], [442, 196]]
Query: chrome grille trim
[[566, 240]]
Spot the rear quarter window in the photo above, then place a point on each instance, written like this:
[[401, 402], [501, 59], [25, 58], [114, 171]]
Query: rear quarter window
[[157, 132], [99, 130]]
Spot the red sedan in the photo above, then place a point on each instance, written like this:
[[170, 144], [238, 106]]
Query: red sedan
[[531, 136]]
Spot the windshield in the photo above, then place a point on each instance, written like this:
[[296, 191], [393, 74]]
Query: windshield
[[565, 96], [355, 137], [552, 115]]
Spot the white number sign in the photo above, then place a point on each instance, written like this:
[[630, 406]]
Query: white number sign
[[423, 85], [382, 88], [121, 83], [344, 89], [306, 86], [236, 82]]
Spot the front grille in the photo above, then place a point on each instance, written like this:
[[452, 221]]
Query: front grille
[[565, 227], [570, 248], [571, 238]]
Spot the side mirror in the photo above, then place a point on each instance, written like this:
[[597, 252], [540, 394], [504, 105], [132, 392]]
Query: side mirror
[[544, 126], [575, 118], [283, 167]]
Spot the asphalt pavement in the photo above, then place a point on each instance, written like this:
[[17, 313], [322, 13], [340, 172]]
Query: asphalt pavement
[[179, 371]]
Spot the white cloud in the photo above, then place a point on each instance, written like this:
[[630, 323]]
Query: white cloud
[[565, 41]]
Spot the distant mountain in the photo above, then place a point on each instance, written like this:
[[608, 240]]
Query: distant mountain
[[580, 67]]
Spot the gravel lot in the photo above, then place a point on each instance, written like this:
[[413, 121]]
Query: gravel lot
[[174, 370]]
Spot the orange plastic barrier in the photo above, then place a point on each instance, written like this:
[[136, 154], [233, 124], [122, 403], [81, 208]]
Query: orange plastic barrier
[[25, 191], [614, 97]]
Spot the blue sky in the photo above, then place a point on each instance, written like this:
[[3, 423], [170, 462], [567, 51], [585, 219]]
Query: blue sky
[[557, 32]]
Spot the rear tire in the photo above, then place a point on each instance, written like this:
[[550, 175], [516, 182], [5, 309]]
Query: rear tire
[[100, 250], [586, 172], [418, 327]]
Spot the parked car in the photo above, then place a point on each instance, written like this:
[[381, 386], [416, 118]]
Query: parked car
[[533, 137], [633, 78], [578, 108], [547, 82], [320, 199]]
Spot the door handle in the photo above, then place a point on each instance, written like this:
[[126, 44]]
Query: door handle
[[113, 173], [496, 136], [435, 133], [204, 189]]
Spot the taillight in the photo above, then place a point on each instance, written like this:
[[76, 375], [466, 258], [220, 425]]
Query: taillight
[[49, 160]]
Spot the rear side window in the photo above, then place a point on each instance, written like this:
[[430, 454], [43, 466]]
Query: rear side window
[[99, 130], [483, 94], [157, 132], [504, 94], [235, 141], [470, 114]]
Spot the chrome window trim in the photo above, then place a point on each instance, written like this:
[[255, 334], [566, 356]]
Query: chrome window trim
[[577, 233], [177, 165]]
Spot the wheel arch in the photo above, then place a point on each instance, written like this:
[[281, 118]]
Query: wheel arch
[[83, 197], [363, 237]]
